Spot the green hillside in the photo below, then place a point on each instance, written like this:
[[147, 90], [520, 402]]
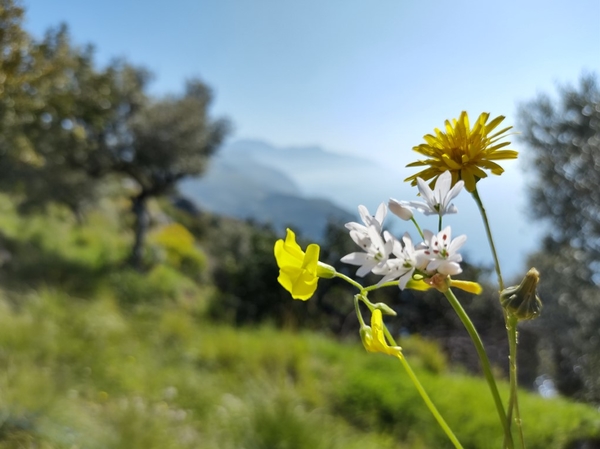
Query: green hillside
[[96, 355]]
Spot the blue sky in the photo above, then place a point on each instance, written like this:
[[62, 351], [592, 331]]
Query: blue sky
[[361, 77], [367, 78]]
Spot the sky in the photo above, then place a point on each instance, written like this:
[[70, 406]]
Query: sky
[[367, 78]]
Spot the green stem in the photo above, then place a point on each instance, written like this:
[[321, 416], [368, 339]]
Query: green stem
[[513, 402], [511, 329], [418, 227], [428, 402], [349, 281], [440, 224], [485, 364], [489, 236], [385, 284], [357, 308]]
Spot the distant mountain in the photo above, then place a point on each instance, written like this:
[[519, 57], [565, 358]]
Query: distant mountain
[[346, 180], [241, 186], [306, 186]]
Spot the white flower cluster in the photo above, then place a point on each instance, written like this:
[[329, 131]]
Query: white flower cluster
[[393, 259]]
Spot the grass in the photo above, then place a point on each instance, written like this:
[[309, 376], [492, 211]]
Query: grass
[[94, 355], [88, 373]]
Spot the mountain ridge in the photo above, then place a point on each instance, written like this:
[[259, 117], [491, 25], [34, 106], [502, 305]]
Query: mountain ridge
[[238, 185]]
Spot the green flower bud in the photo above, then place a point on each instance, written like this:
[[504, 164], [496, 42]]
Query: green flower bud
[[366, 335], [521, 301], [385, 309], [325, 271]]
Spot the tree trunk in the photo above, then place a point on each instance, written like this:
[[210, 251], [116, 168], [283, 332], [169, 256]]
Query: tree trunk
[[140, 228]]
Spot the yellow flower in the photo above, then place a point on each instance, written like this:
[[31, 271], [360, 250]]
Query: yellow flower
[[373, 337], [423, 285], [468, 286], [463, 151], [299, 272]]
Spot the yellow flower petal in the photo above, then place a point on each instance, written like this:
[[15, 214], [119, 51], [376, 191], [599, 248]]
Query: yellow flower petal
[[419, 285], [374, 340], [463, 150], [468, 286], [300, 283], [298, 270]]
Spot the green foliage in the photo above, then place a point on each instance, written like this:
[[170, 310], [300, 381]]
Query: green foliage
[[381, 397], [53, 249], [562, 136], [89, 373], [60, 104], [138, 364], [245, 274], [149, 380], [162, 283], [430, 355], [174, 245], [67, 126]]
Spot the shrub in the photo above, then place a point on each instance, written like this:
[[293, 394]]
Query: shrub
[[175, 246]]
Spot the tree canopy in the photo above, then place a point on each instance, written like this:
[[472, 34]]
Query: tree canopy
[[66, 125], [564, 141], [563, 151]]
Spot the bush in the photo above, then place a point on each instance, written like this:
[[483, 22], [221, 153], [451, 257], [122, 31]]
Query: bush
[[380, 397], [175, 246]]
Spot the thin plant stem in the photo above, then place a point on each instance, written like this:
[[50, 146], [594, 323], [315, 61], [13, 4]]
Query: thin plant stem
[[428, 402], [418, 227], [357, 308], [385, 284], [440, 224], [511, 330], [485, 364], [349, 281], [488, 231], [513, 402]]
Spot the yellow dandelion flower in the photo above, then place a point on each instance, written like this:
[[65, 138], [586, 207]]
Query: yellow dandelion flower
[[463, 150]]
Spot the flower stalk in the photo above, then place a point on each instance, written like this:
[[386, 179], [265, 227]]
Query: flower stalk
[[513, 401], [411, 374], [430, 405], [485, 364], [488, 232]]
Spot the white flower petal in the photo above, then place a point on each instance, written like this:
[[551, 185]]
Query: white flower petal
[[408, 244], [453, 193], [422, 207], [401, 209], [449, 268], [425, 191], [442, 187], [353, 226], [364, 214], [437, 201], [381, 213], [366, 268], [404, 279], [457, 243], [356, 258], [451, 209]]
